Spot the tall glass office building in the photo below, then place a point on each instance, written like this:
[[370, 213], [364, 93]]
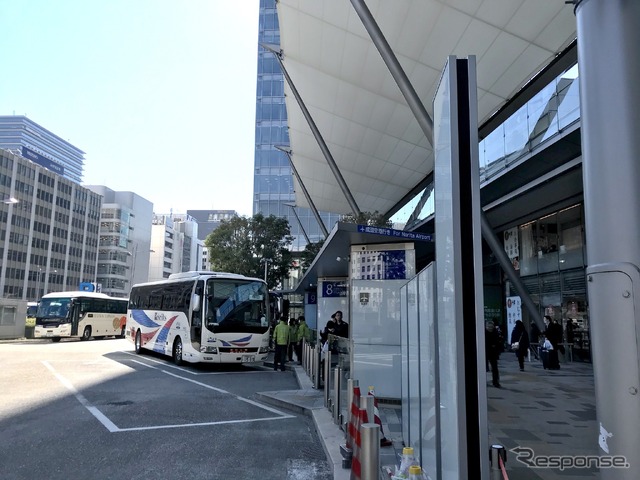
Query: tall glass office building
[[22, 136], [273, 179]]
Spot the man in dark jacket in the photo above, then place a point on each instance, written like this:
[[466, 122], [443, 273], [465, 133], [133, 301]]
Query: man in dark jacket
[[520, 336], [553, 333]]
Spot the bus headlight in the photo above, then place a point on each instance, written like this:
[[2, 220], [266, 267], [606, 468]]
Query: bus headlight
[[264, 349], [208, 349]]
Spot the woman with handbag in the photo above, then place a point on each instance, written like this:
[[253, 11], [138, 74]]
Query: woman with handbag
[[520, 342]]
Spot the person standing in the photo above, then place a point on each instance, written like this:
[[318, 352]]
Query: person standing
[[534, 338], [293, 338], [342, 327], [281, 340], [520, 337], [535, 332], [304, 334], [329, 329], [492, 350], [553, 333]]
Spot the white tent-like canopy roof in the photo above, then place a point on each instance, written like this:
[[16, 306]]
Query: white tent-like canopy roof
[[372, 134]]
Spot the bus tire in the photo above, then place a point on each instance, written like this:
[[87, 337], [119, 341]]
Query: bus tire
[[177, 351], [86, 335], [55, 339], [122, 331], [138, 343]]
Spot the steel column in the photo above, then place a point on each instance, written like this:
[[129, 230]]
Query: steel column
[[316, 133], [305, 192], [608, 39]]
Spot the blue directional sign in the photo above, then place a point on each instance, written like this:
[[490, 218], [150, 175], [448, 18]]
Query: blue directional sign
[[334, 289], [390, 232]]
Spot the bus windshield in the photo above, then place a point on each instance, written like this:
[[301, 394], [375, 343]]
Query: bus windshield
[[53, 308], [236, 306]]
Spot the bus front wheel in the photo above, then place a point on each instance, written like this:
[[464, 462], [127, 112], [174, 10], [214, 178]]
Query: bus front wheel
[[86, 335], [177, 351], [55, 339], [138, 343]]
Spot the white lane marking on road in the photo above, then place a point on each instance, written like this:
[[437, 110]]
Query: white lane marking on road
[[144, 364], [109, 425], [204, 424], [165, 364], [197, 383], [254, 403], [190, 372]]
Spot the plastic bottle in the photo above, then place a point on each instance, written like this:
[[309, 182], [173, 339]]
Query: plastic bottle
[[415, 472], [408, 459]]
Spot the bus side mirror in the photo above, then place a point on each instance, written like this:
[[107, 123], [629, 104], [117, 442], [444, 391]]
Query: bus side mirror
[[195, 301]]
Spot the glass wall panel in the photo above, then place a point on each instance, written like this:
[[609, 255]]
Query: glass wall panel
[[575, 321], [547, 244], [516, 134], [414, 366], [428, 371], [404, 349], [571, 238], [528, 250], [494, 151], [550, 296], [568, 88], [542, 110]]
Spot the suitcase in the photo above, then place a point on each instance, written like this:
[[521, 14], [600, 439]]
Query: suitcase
[[544, 356]]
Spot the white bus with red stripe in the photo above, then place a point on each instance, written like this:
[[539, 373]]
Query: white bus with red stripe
[[208, 317]]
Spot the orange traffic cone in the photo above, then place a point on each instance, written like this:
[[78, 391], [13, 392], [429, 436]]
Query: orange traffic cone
[[356, 466], [384, 441]]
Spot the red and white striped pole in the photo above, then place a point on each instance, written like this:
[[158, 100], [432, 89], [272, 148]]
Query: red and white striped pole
[[384, 441]]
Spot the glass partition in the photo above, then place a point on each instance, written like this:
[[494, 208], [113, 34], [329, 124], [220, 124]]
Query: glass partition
[[419, 369], [428, 371], [413, 319], [404, 349]]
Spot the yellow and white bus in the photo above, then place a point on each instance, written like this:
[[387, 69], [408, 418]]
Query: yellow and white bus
[[209, 317], [80, 314]]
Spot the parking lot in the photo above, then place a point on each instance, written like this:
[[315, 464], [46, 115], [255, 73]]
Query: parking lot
[[96, 410]]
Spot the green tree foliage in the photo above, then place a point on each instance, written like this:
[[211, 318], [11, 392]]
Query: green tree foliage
[[309, 254], [371, 219], [240, 245]]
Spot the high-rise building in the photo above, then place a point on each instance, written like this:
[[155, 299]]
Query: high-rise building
[[188, 227], [49, 230], [209, 220], [273, 187], [125, 240], [175, 246], [22, 136]]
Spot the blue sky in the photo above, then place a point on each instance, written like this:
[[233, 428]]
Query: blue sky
[[160, 94]]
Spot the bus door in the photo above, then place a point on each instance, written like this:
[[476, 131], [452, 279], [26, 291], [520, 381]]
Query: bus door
[[196, 318], [74, 316]]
